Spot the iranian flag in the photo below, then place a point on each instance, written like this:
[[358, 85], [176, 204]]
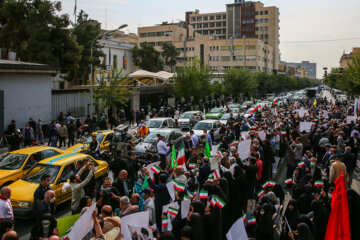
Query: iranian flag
[[181, 155], [261, 193], [244, 218], [221, 155], [192, 165], [288, 181], [264, 185], [219, 202], [178, 186], [156, 169], [173, 211], [165, 221], [255, 110], [186, 197], [301, 164], [251, 220], [190, 194], [213, 201], [283, 132], [271, 183], [318, 183], [210, 179], [203, 194], [235, 142], [217, 173], [273, 104]]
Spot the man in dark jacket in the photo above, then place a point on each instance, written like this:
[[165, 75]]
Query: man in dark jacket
[[204, 171], [162, 196], [43, 187], [250, 175], [45, 205], [349, 159]]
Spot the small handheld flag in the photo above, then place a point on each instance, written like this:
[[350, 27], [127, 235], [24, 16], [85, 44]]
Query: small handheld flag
[[173, 211], [156, 169], [203, 194], [261, 193], [288, 181], [301, 164], [178, 186]]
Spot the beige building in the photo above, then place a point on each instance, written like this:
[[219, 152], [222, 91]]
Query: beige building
[[347, 58]]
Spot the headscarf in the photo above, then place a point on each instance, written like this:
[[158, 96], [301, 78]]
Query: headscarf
[[304, 232]]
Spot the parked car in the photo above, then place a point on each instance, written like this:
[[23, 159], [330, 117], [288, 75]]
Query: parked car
[[184, 121], [226, 116], [149, 143], [103, 137], [208, 125], [14, 164], [60, 168], [247, 104], [155, 123], [215, 113]]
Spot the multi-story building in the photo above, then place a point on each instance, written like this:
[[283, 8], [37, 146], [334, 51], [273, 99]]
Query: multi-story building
[[241, 20], [346, 58], [309, 67]]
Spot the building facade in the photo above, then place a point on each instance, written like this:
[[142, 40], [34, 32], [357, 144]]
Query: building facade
[[346, 58], [310, 68]]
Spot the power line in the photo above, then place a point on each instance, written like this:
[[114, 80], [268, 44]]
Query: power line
[[326, 40]]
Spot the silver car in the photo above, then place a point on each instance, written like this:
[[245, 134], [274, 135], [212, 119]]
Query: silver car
[[184, 120], [208, 125]]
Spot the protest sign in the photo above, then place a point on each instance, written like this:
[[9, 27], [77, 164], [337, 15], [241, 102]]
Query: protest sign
[[185, 207], [305, 126], [143, 233], [350, 119], [237, 231], [135, 219], [65, 223], [214, 162], [245, 135], [262, 135], [83, 225], [170, 187], [244, 149]]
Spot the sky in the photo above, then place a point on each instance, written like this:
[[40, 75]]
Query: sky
[[304, 20]]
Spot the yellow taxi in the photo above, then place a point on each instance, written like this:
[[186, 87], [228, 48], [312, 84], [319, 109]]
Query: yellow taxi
[[60, 168], [103, 137], [14, 164]]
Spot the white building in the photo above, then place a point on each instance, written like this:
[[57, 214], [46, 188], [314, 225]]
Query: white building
[[25, 91]]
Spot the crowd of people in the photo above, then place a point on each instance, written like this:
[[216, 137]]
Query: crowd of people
[[219, 183]]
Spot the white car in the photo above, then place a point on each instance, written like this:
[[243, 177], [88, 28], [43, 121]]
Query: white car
[[184, 120], [208, 125], [156, 123], [225, 118]]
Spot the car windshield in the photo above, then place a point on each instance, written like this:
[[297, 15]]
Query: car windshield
[[152, 136], [154, 123], [35, 173], [215, 110], [187, 115], [12, 161], [203, 126], [225, 116], [99, 138], [234, 110], [233, 106]]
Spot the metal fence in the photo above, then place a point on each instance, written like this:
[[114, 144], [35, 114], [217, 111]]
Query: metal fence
[[75, 101]]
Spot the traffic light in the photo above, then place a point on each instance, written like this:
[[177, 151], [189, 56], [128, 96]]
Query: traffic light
[[341, 72]]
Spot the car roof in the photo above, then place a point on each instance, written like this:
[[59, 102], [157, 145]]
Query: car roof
[[192, 112], [63, 158], [167, 130], [160, 118], [209, 121], [30, 150], [104, 132]]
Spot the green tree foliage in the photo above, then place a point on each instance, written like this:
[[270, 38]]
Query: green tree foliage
[[112, 92], [352, 76], [169, 54], [37, 33], [193, 80], [85, 31], [239, 80], [147, 57]]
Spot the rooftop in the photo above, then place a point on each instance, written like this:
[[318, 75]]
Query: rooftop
[[25, 67]]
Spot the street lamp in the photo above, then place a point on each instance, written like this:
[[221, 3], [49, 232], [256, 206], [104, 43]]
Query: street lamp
[[91, 68]]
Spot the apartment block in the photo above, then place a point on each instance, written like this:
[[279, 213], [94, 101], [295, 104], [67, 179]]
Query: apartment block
[[310, 68], [346, 58]]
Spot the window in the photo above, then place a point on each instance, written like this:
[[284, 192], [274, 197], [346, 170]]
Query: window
[[225, 58], [256, 20], [48, 153], [198, 25], [224, 16], [212, 17], [168, 33], [159, 34], [256, 29], [266, 36], [266, 28], [218, 17], [143, 35], [218, 31], [212, 24], [243, 21], [224, 24], [237, 58], [206, 18], [261, 12], [115, 61], [261, 20], [266, 20], [193, 19], [67, 172], [104, 60], [212, 32], [266, 12], [151, 34], [205, 25], [261, 29], [218, 24], [206, 32], [198, 18], [250, 57], [256, 13]]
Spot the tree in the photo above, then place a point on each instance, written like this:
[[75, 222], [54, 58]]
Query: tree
[[169, 54], [193, 80], [239, 80], [36, 33], [147, 57], [85, 31], [113, 92], [351, 82]]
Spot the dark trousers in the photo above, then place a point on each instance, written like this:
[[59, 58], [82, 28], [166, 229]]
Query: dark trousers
[[61, 141], [163, 161], [71, 141]]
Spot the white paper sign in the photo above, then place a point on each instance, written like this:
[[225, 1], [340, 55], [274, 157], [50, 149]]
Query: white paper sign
[[141, 232], [350, 119], [303, 113], [185, 207], [245, 135], [244, 149], [171, 189], [305, 126], [135, 219], [262, 135], [214, 162], [83, 225], [173, 204], [214, 149], [237, 231]]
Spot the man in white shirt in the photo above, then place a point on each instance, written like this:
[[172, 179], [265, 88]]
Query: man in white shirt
[[162, 149], [6, 210]]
